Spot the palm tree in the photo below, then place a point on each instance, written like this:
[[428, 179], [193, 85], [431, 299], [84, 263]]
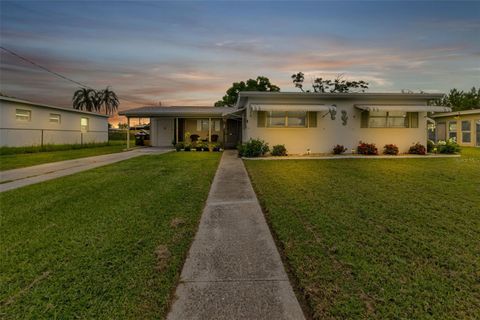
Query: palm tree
[[109, 100], [84, 98]]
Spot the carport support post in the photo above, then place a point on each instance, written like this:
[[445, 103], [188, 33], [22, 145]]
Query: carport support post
[[128, 132], [176, 129], [209, 130]]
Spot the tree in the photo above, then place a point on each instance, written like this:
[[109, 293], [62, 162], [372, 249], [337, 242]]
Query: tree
[[259, 84], [326, 85], [108, 100], [85, 98], [92, 100], [123, 126], [460, 100]]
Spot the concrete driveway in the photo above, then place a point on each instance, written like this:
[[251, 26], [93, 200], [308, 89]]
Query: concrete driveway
[[16, 178]]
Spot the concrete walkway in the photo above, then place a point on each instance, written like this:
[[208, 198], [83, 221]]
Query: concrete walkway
[[16, 178], [233, 270]]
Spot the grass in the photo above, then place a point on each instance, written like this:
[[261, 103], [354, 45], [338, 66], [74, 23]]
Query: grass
[[14, 158], [378, 239], [108, 243]]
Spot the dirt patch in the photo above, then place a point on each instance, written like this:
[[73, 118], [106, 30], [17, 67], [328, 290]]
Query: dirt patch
[[162, 255], [177, 222]]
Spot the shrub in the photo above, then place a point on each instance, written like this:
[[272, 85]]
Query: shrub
[[448, 147], [430, 146], [279, 150], [253, 148], [339, 149], [187, 147], [215, 146], [367, 148], [390, 149], [179, 146], [417, 148]]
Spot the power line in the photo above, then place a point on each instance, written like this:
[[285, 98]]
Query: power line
[[53, 72]]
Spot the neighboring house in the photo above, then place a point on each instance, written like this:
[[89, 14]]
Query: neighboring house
[[303, 122], [25, 123], [463, 126]]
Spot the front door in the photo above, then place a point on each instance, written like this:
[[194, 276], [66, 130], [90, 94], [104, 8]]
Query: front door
[[441, 131], [233, 133]]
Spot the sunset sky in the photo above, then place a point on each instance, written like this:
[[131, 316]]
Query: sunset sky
[[188, 53]]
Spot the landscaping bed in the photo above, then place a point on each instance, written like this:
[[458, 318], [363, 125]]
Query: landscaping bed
[[107, 243], [378, 239]]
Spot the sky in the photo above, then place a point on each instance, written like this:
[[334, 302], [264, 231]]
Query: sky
[[189, 53]]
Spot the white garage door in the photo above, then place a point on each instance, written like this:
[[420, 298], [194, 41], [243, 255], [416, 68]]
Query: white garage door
[[163, 132]]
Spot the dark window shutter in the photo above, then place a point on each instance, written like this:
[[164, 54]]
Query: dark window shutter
[[364, 119], [312, 119], [413, 116], [261, 119]]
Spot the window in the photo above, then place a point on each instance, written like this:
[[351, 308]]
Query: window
[[55, 118], [277, 119], [389, 119], [281, 119], [452, 130], [216, 125], [466, 131], [23, 115], [202, 125], [84, 124]]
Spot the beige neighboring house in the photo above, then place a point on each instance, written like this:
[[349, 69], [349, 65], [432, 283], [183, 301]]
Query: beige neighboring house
[[463, 126], [25, 123], [303, 122]]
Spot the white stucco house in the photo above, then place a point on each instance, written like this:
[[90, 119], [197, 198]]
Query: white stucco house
[[25, 123], [303, 122]]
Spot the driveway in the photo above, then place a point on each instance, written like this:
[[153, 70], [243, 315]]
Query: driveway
[[16, 178]]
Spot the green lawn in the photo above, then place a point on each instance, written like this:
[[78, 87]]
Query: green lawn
[[378, 239], [20, 160], [108, 243]]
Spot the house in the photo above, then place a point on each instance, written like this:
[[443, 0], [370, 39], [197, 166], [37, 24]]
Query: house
[[25, 123], [463, 126], [303, 122]]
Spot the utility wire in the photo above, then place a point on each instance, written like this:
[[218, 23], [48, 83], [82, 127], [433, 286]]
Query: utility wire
[[53, 72]]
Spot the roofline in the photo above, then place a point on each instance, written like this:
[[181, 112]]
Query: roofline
[[456, 113], [52, 107], [170, 111], [243, 95]]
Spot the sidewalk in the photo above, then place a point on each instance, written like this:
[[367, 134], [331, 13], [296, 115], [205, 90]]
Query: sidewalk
[[16, 178], [233, 270]]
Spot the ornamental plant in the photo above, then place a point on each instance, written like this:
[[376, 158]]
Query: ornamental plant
[[390, 149], [417, 148], [367, 148], [448, 147], [430, 146], [179, 146], [339, 149], [253, 148], [279, 150]]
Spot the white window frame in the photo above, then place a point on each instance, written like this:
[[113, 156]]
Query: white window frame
[[84, 128], [386, 119], [469, 131], [55, 118], [450, 132], [23, 115], [202, 125], [286, 117]]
